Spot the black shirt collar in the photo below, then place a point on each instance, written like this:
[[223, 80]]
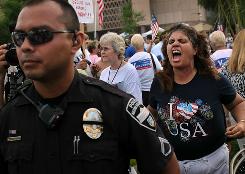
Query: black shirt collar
[[75, 93]]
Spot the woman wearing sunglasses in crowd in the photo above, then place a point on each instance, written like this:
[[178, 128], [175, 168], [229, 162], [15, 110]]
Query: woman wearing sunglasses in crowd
[[187, 97]]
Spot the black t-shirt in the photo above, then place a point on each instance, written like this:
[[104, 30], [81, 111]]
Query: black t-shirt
[[191, 116]]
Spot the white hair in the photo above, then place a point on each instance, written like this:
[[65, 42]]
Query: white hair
[[117, 42]]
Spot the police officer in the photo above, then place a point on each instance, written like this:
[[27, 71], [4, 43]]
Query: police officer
[[63, 122]]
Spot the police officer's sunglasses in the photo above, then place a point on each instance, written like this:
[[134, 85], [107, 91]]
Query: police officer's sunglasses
[[36, 36]]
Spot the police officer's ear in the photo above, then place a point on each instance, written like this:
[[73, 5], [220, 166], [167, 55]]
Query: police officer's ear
[[77, 40]]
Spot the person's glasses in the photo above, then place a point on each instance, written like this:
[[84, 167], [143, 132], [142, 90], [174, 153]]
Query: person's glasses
[[35, 36]]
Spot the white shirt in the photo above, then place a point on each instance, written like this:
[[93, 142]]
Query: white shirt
[[78, 57], [157, 50], [219, 57], [125, 79], [144, 66]]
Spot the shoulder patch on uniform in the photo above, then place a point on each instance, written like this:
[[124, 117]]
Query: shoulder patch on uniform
[[141, 114]]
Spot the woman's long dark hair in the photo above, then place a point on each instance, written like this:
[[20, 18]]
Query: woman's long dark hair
[[202, 61]]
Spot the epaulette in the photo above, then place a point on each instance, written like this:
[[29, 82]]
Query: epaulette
[[103, 85]]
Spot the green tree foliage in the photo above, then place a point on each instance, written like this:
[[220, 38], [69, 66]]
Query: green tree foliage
[[208, 4], [130, 18], [230, 12], [9, 13]]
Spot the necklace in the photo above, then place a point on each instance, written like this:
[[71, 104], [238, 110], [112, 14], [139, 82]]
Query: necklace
[[108, 80]]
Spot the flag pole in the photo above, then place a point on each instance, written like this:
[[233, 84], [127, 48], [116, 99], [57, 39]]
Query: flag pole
[[95, 17]]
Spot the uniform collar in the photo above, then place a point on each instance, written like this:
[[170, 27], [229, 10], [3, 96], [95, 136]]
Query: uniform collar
[[76, 92]]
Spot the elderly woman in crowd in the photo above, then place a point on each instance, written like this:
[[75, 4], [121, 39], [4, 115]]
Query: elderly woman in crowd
[[187, 97], [120, 74]]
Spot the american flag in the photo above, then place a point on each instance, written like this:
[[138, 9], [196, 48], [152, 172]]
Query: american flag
[[101, 9], [154, 26], [187, 109]]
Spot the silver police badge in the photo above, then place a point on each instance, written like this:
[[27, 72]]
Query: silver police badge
[[93, 123]]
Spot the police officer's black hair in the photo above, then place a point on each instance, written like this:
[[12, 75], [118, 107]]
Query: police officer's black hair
[[69, 17]]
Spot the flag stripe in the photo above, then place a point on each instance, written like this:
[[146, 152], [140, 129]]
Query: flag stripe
[[154, 27], [101, 9]]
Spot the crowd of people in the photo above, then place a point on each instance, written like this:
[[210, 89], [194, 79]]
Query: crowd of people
[[88, 106]]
